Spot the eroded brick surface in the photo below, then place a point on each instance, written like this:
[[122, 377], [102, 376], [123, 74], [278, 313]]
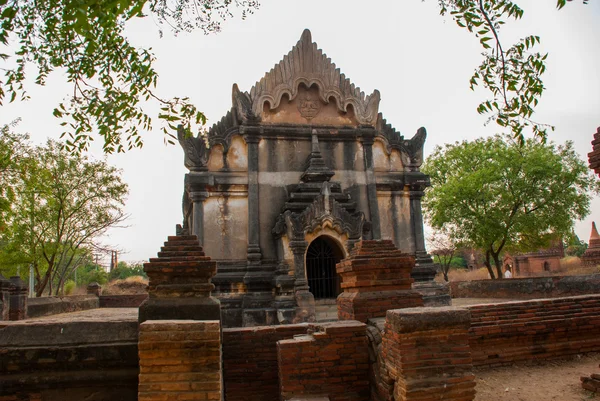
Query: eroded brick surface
[[375, 278], [333, 361], [546, 328], [180, 360], [425, 356]]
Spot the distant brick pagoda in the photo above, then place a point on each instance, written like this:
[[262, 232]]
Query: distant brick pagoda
[[591, 257]]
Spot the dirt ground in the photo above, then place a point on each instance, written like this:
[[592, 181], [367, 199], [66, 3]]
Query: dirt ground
[[538, 381]]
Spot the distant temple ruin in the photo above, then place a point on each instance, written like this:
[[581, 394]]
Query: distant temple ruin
[[591, 257], [300, 169]]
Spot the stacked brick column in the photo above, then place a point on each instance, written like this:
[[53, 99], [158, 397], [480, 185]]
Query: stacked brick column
[[426, 353], [333, 362], [180, 360], [179, 283], [375, 278]]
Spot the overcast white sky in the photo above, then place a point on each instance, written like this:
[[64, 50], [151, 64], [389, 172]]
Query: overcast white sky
[[420, 62]]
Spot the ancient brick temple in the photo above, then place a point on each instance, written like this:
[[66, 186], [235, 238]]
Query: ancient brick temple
[[591, 257], [300, 169]]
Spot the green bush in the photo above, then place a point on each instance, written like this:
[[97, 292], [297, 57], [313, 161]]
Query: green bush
[[69, 287], [123, 270]]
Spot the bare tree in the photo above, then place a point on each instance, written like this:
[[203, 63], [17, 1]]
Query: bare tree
[[443, 250]]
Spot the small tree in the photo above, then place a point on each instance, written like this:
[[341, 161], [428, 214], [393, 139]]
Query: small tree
[[493, 194], [63, 202], [443, 250]]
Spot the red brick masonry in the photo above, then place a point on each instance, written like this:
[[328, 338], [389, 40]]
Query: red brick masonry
[[250, 361], [180, 360], [375, 278], [547, 328], [425, 355], [333, 362]]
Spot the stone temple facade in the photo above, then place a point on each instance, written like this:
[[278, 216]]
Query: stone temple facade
[[300, 169]]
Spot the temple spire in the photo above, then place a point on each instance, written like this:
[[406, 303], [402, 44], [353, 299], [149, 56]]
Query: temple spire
[[316, 170], [594, 235]]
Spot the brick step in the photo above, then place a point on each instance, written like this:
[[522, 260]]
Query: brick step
[[170, 254], [171, 248], [182, 243], [179, 259], [177, 238]]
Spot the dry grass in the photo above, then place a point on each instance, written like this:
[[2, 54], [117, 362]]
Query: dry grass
[[130, 285], [569, 266]]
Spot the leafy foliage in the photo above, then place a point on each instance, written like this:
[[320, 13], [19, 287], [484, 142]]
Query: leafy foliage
[[513, 75], [574, 246], [494, 195], [91, 273], [61, 204], [84, 40], [124, 270]]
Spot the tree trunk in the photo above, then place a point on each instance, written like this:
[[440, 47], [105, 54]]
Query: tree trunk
[[498, 265], [488, 265]]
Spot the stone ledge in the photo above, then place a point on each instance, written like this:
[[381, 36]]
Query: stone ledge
[[428, 318]]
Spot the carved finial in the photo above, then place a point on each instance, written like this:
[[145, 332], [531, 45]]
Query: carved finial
[[306, 37], [594, 234], [315, 142], [316, 169]]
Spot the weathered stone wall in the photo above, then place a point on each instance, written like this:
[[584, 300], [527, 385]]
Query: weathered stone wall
[[546, 328], [250, 370], [122, 301], [180, 360], [425, 356], [46, 306], [533, 287], [332, 362], [281, 162], [57, 360]]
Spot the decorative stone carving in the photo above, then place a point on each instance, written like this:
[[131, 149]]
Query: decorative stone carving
[[306, 64], [309, 107], [411, 150], [194, 150], [323, 210]]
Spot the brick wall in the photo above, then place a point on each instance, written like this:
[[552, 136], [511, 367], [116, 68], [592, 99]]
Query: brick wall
[[425, 356], [250, 361], [333, 361], [179, 360], [122, 301], [59, 360], [527, 288], [45, 306], [547, 328]]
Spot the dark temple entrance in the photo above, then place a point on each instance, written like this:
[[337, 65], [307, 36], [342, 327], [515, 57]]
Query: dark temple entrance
[[322, 256]]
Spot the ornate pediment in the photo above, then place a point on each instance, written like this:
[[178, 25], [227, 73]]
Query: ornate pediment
[[324, 210], [306, 67]]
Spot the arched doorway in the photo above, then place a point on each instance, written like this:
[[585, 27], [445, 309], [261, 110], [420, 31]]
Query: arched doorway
[[321, 257]]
